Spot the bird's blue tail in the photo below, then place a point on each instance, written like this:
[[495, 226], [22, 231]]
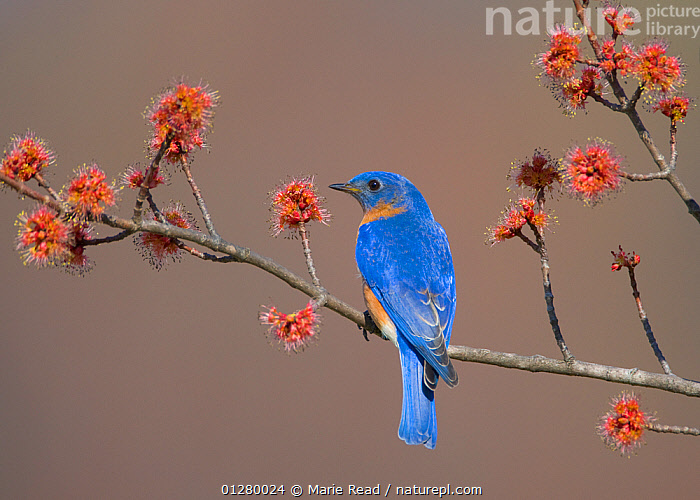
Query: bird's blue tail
[[418, 419]]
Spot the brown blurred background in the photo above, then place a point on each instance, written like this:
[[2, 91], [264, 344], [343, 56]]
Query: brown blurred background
[[132, 383]]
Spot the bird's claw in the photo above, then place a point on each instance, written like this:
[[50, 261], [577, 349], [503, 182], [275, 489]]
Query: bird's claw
[[369, 327]]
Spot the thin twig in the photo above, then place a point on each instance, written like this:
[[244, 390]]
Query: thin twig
[[547, 285], [154, 208], [602, 100], [199, 198], [203, 255], [44, 183], [148, 177], [25, 190], [673, 146], [527, 240], [107, 239], [592, 38], [647, 326], [307, 254]]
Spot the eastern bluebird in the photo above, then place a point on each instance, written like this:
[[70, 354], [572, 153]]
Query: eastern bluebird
[[409, 289]]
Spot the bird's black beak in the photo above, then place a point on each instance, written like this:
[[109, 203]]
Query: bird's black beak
[[344, 187]]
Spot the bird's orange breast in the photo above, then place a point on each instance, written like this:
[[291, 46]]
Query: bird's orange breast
[[382, 211]]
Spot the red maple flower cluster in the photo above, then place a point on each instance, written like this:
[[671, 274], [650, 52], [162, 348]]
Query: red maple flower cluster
[[621, 60], [295, 330], [622, 427], [572, 93], [47, 239], [158, 249], [675, 107], [76, 260], [623, 259], [89, 193], [559, 66], [42, 237], [186, 112], [539, 173], [592, 171], [514, 218], [620, 18], [559, 62], [26, 157], [134, 176], [657, 71], [296, 202], [650, 64]]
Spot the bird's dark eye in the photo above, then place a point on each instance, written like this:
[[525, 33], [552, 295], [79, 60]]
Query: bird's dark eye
[[374, 185]]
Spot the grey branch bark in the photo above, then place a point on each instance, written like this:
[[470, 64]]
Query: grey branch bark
[[536, 363]]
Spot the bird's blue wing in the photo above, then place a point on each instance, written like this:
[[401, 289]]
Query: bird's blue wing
[[412, 276]]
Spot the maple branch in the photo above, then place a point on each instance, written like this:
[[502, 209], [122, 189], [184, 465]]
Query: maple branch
[[236, 253], [576, 368], [572, 367], [673, 429]]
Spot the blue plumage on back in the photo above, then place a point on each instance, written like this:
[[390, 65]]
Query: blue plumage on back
[[405, 261]]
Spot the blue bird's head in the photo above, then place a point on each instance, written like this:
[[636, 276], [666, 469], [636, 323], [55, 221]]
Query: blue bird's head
[[385, 194]]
